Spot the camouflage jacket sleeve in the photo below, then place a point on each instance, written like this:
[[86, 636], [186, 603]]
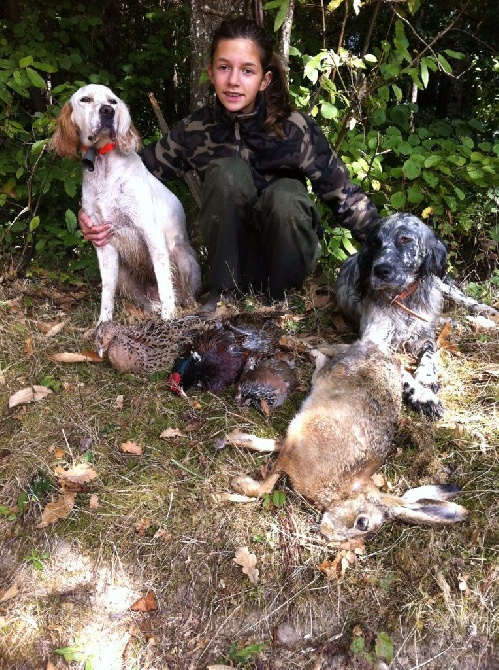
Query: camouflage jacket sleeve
[[166, 158], [331, 182]]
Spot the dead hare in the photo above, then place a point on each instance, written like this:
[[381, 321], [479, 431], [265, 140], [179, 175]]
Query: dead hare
[[341, 435]]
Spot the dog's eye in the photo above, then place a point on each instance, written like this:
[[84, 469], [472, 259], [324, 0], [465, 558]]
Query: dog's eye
[[113, 102], [362, 523], [85, 99], [405, 239]]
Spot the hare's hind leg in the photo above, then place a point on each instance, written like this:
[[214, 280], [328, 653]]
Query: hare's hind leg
[[250, 487]]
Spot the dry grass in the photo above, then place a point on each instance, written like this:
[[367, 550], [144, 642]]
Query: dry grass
[[159, 526]]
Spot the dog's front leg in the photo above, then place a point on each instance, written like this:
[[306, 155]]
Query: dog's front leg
[[108, 258], [160, 258], [420, 390]]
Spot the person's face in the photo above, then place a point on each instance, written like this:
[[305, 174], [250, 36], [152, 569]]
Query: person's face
[[237, 75]]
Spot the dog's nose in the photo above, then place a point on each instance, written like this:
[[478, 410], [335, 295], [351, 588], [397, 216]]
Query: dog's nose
[[383, 271], [106, 111]]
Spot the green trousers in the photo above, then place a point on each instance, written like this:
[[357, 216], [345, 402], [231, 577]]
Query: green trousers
[[267, 242]]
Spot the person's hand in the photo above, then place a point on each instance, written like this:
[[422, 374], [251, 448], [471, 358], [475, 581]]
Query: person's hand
[[98, 235]]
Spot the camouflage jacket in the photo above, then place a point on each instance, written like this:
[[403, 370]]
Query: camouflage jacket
[[211, 133]]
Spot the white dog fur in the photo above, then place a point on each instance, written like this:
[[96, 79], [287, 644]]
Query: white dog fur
[[149, 243]]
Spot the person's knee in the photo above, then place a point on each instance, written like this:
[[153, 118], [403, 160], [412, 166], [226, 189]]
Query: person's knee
[[287, 199], [229, 175]]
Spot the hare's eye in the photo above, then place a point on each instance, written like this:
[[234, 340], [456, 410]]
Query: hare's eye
[[362, 523]]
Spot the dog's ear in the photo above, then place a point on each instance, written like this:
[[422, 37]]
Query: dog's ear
[[65, 140], [127, 136], [365, 261], [436, 258]]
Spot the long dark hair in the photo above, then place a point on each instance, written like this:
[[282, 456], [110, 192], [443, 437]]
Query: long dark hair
[[276, 94]]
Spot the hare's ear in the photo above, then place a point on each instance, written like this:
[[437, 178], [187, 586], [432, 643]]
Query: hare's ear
[[429, 505]]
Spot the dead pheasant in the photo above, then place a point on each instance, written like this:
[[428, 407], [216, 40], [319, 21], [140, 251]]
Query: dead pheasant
[[199, 352], [150, 346], [216, 358]]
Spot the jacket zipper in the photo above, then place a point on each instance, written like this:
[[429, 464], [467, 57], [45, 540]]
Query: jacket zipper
[[238, 138]]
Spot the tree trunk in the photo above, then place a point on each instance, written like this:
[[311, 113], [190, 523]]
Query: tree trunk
[[286, 34]]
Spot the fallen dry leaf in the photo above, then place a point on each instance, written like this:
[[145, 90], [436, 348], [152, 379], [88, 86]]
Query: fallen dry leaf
[[94, 501], [87, 356], [131, 448], [33, 393], [145, 604], [247, 561], [58, 509], [142, 526], [30, 349], [162, 534], [171, 432], [82, 473], [118, 403], [345, 558], [50, 666], [56, 328], [9, 593]]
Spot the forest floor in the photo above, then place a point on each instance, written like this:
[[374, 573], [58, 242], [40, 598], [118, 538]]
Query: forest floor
[[131, 567]]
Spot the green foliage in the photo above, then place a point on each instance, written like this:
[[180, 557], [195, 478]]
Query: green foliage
[[241, 655], [405, 160], [77, 653], [383, 648], [36, 559], [273, 500]]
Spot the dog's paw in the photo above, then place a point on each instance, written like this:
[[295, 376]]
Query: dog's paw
[[423, 401]]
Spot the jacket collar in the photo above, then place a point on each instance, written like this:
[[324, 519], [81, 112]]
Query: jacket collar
[[231, 118]]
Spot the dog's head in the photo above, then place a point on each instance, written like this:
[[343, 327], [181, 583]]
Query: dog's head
[[93, 117], [398, 251]]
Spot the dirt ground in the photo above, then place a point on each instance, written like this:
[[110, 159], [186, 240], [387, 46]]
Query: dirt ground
[[132, 566]]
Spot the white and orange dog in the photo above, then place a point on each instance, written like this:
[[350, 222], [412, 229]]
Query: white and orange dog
[[149, 243]]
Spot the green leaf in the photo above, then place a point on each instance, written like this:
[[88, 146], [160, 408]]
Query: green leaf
[[281, 15], [70, 187], [35, 78], [397, 200], [71, 654], [432, 160], [425, 75], [444, 64], [414, 195], [454, 54], [329, 111], [71, 221], [27, 60], [384, 647], [357, 645], [430, 178], [412, 170], [398, 92], [34, 223]]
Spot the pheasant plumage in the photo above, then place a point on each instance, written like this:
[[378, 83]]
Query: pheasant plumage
[[198, 351], [150, 346], [218, 355], [266, 383]]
